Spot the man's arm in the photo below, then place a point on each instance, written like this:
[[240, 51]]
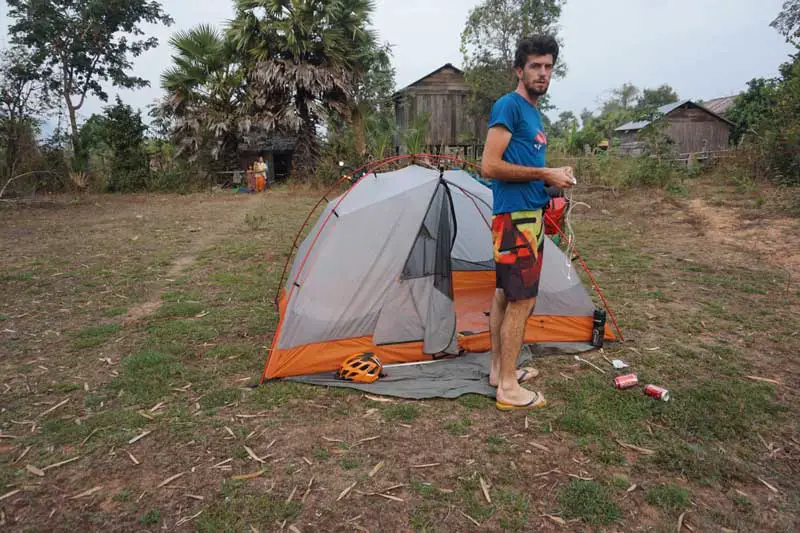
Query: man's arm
[[493, 166]]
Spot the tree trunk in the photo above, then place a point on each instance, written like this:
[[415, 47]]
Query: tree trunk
[[77, 153], [306, 151], [13, 146], [358, 132]]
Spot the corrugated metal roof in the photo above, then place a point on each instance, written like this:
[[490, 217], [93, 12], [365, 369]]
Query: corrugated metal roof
[[720, 106], [663, 110]]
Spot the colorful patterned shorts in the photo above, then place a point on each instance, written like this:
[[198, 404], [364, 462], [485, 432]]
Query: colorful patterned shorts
[[518, 249]]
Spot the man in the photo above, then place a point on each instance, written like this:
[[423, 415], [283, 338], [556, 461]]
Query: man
[[514, 159]]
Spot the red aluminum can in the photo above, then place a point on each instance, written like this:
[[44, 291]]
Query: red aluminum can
[[659, 393], [626, 382]]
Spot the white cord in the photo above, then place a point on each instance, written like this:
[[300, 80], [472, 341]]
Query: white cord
[[570, 233]]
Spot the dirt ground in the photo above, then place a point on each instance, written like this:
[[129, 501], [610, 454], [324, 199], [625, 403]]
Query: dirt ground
[[133, 331]]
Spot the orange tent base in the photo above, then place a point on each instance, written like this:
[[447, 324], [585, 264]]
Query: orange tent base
[[473, 293], [327, 356]]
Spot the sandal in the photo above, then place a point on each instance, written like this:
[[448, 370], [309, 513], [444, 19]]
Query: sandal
[[538, 401]]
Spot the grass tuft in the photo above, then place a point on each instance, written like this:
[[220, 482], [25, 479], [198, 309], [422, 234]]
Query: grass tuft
[[147, 376], [589, 501], [669, 497], [405, 412], [150, 518], [94, 336], [237, 510], [179, 310], [475, 401]]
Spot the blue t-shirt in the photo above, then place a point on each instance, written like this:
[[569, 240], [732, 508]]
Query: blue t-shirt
[[527, 148]]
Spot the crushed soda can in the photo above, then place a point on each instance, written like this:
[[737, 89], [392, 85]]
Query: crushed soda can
[[626, 382], [659, 393]]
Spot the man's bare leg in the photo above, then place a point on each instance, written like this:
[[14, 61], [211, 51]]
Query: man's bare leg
[[512, 330], [499, 304], [495, 323]]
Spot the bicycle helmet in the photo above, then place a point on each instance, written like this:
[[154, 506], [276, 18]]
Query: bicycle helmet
[[362, 367]]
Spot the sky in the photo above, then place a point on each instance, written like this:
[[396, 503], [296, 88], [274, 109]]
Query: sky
[[702, 48]]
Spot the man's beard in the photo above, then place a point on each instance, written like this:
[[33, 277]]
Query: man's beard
[[535, 92]]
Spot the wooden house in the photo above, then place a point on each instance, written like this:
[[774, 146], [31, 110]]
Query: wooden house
[[276, 149], [442, 96], [691, 127]]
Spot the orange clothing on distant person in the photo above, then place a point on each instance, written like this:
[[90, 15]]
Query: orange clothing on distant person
[[261, 175]]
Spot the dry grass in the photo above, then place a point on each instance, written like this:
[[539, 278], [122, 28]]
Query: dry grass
[[152, 314]]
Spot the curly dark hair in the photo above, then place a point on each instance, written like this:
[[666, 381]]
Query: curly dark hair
[[538, 45]]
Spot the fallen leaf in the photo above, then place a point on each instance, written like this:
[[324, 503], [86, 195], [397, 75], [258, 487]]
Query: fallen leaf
[[680, 521], [390, 497], [139, 437], [468, 517], [87, 492], [188, 518], [346, 491], [308, 489], [170, 480], [540, 446], [252, 475], [56, 406], [485, 489], [252, 454], [645, 451], [378, 398], [767, 380], [23, 454], [770, 487], [62, 463], [9, 494], [35, 471], [375, 469], [557, 519]]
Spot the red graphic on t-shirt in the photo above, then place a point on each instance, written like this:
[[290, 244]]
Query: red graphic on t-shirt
[[540, 138]]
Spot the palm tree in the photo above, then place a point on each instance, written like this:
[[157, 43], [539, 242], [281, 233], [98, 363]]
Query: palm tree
[[205, 91], [303, 58]]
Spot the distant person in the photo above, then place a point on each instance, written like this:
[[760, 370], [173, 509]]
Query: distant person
[[251, 178], [261, 174], [514, 161]]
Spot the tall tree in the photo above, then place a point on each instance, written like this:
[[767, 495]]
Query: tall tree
[[23, 101], [788, 21], [303, 58], [490, 38], [566, 123], [657, 97], [372, 96], [124, 134], [205, 94], [79, 44], [622, 98]]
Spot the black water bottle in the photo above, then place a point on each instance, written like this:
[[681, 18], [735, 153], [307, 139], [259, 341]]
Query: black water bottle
[[598, 327]]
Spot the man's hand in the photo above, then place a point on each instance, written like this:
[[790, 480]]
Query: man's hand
[[561, 177]]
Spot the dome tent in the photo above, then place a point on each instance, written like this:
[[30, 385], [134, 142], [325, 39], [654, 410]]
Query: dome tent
[[401, 264]]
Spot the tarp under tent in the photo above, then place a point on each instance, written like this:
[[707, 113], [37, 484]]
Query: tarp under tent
[[401, 264]]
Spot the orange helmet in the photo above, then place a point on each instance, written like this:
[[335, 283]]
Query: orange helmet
[[362, 367]]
